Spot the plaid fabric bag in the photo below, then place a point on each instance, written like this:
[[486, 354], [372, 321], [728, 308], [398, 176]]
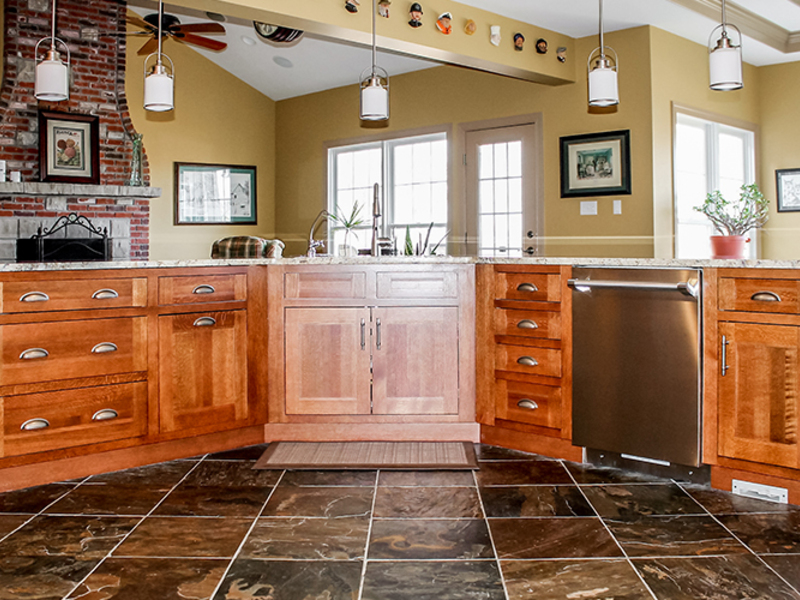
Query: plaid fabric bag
[[246, 246]]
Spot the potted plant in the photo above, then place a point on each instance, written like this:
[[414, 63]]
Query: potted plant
[[733, 219], [348, 223]]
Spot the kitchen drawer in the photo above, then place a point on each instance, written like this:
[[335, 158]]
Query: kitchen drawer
[[35, 352], [417, 284], [201, 288], [63, 419], [528, 323], [528, 403], [759, 295], [542, 287], [330, 284], [528, 360], [72, 294]]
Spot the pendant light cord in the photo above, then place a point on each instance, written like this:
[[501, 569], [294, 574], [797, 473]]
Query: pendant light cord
[[374, 42], [160, 19], [53, 29], [724, 19], [602, 42]]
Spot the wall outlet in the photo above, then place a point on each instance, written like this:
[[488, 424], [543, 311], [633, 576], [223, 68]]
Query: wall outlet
[[760, 491], [617, 207], [589, 207]]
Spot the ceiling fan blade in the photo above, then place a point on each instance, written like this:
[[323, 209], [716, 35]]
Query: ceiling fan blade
[[201, 41], [139, 22], [149, 47], [200, 28]]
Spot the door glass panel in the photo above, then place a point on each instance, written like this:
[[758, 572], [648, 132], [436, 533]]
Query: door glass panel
[[500, 199]]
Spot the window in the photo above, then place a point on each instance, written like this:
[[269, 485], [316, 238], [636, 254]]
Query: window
[[412, 177], [500, 199], [708, 156]]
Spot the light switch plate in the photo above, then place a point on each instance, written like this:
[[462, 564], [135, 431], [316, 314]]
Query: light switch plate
[[617, 207], [589, 207]]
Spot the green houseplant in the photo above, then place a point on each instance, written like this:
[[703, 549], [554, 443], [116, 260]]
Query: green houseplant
[[348, 223], [732, 219]]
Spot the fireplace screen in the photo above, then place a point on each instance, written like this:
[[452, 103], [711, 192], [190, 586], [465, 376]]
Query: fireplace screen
[[50, 245]]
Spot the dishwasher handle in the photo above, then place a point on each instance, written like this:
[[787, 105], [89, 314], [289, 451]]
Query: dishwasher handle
[[688, 288]]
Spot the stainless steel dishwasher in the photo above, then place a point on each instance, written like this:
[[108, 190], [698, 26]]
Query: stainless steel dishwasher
[[637, 362]]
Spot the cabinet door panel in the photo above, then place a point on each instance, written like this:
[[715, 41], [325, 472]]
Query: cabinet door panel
[[759, 394], [415, 364], [203, 369], [327, 365]]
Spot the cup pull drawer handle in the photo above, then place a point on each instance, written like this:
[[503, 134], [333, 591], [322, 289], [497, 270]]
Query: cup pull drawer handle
[[765, 297], [204, 288], [105, 414], [33, 353], [527, 403], [35, 424], [104, 347], [527, 324], [528, 361], [34, 297], [105, 294], [205, 322], [527, 287]]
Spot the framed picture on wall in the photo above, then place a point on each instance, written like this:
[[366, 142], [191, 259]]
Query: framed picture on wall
[[596, 164], [207, 194], [788, 186], [69, 147]]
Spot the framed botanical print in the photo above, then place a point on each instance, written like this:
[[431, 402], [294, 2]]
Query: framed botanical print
[[788, 186], [69, 147], [207, 194], [596, 164]]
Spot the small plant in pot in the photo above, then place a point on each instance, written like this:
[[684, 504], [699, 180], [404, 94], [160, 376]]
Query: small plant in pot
[[732, 219], [348, 223]]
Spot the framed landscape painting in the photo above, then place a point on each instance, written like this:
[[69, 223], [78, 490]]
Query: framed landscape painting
[[596, 164], [69, 147], [215, 194]]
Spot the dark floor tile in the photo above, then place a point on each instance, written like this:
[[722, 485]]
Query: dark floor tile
[[108, 499], [230, 473], [329, 478], [251, 453], [718, 502], [674, 536], [631, 501], [427, 478], [787, 566], [419, 539], [80, 537], [344, 538], [319, 502], [185, 537], [579, 537], [534, 472], [297, 580], [206, 501], [484, 452], [152, 579], [158, 476], [460, 580], [41, 577], [421, 503], [767, 533], [589, 474], [563, 579], [9, 523], [32, 500], [535, 501], [735, 577]]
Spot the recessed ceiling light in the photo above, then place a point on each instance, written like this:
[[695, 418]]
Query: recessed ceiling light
[[248, 40], [215, 16], [283, 62]]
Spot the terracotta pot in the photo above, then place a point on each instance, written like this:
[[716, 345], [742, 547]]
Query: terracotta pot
[[728, 246]]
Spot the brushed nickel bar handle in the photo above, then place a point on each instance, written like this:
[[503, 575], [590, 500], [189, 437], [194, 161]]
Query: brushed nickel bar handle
[[765, 297], [33, 354], [527, 324], [35, 424], [725, 365], [528, 403], [105, 414], [104, 347], [363, 334], [689, 288], [34, 297], [204, 288], [528, 361], [378, 334], [105, 294], [527, 287], [205, 322]]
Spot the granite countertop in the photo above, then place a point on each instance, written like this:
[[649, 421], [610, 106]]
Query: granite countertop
[[395, 260]]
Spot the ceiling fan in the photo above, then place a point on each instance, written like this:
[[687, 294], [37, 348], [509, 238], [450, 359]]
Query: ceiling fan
[[171, 27]]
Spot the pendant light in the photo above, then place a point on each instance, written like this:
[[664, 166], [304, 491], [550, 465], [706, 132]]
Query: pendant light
[[725, 57], [159, 85], [52, 74], [603, 90], [374, 85]]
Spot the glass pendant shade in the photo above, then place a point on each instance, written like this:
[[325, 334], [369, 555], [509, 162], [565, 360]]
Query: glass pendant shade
[[159, 90], [603, 87], [52, 79], [725, 65], [374, 99]]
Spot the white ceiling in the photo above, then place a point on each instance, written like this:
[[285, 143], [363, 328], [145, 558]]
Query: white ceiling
[[319, 64]]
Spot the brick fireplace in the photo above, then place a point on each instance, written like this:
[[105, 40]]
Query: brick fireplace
[[97, 87]]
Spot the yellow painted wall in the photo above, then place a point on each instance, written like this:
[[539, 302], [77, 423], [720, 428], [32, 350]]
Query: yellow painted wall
[[451, 96], [217, 119], [780, 149]]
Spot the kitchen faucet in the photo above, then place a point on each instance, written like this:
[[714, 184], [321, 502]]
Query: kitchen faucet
[[312, 243]]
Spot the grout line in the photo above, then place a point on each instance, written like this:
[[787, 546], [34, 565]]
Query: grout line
[[613, 537], [491, 536], [369, 535]]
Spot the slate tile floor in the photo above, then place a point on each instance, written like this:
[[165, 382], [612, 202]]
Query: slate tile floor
[[522, 527]]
